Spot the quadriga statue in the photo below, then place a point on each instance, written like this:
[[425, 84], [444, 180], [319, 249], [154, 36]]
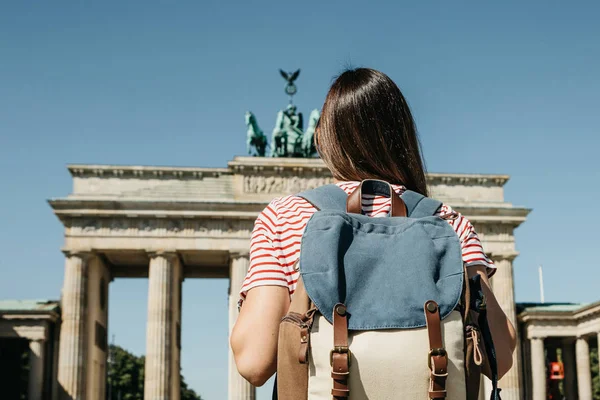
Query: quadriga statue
[[287, 139]]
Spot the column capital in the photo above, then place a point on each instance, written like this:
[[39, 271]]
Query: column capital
[[168, 254], [33, 333], [235, 254], [83, 254], [504, 256]]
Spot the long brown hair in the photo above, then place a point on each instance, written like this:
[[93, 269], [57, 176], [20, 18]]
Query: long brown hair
[[366, 131]]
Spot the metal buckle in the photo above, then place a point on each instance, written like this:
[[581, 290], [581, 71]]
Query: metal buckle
[[439, 352], [483, 304], [340, 350]]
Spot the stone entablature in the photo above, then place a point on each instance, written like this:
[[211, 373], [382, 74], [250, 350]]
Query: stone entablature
[[30, 329], [124, 212], [29, 319], [182, 203], [544, 323], [262, 178]]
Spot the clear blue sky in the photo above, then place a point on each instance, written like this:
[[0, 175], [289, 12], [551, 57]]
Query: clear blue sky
[[504, 87]]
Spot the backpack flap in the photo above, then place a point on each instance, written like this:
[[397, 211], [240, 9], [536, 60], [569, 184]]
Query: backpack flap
[[382, 269]]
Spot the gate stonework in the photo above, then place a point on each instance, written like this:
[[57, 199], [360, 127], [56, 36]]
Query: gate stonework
[[169, 224]]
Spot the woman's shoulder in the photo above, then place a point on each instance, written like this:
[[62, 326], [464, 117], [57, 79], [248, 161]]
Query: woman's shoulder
[[283, 205], [286, 210], [447, 212]]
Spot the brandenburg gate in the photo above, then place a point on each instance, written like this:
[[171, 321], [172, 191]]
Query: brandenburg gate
[[169, 224]]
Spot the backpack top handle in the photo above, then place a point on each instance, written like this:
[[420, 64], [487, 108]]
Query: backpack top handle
[[377, 188]]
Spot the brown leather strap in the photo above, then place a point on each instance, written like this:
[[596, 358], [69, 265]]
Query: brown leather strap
[[300, 302], [303, 352], [340, 354], [437, 358], [305, 334], [354, 202], [466, 295]]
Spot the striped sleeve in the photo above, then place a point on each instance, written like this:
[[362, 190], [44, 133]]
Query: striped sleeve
[[472, 249], [265, 267]]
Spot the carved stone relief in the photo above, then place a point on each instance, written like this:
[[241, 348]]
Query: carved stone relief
[[140, 227], [282, 184]]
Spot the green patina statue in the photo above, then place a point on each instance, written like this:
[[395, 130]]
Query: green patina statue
[[288, 138], [308, 140], [255, 138]]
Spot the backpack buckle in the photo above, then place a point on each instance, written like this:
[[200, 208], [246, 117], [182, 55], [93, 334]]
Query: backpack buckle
[[340, 350], [439, 352]]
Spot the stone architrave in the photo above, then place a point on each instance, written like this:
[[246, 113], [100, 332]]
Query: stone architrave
[[72, 359], [584, 374], [162, 361], [239, 388]]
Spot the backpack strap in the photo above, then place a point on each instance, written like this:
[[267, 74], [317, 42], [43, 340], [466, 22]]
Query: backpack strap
[[340, 355], [419, 206], [332, 197], [437, 358], [478, 303], [328, 197]]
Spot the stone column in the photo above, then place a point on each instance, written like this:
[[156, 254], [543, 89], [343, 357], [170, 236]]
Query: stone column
[[598, 347], [36, 369], [538, 369], [72, 357], [527, 385], [55, 345], [568, 358], [239, 388], [176, 330], [584, 374], [503, 287], [159, 374], [98, 278]]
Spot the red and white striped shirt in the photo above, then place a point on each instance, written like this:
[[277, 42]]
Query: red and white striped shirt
[[275, 243]]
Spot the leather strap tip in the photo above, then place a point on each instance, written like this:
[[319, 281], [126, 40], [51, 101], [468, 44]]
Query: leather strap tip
[[340, 392], [438, 394], [339, 375]]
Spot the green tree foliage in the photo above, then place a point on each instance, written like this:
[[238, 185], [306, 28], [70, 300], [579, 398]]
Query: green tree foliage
[[126, 377], [187, 393]]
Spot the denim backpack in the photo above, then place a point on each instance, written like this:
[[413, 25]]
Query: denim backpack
[[383, 308]]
